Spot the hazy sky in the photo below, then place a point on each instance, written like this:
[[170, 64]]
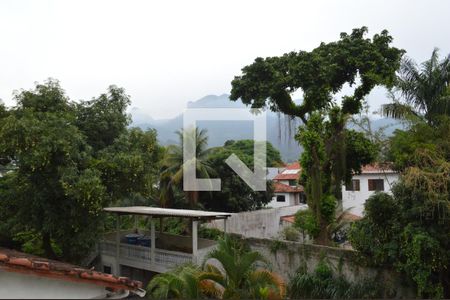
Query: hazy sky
[[165, 53]]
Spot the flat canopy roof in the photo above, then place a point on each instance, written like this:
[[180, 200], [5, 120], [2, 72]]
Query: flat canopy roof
[[167, 212]]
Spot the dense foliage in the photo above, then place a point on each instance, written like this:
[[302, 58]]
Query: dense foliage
[[320, 74], [65, 171], [235, 194], [241, 274], [411, 230], [325, 283]]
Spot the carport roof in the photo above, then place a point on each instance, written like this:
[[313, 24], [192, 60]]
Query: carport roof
[[159, 212]]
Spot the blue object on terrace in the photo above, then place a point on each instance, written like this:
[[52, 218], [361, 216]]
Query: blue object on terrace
[[132, 238]]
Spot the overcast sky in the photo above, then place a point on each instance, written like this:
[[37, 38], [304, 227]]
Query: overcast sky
[[165, 53]]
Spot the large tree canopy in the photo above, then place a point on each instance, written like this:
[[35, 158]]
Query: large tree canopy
[[65, 173], [320, 74]]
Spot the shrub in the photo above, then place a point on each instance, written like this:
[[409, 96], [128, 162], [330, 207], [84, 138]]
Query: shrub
[[290, 233]]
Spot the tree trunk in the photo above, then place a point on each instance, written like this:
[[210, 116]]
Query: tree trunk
[[47, 245]]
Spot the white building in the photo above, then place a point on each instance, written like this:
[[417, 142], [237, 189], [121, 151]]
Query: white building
[[372, 178], [287, 191], [24, 276]]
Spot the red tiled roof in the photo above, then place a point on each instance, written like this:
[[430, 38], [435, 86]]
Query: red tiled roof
[[293, 166], [377, 168], [287, 172], [289, 219], [351, 217], [284, 188], [286, 177], [14, 261]]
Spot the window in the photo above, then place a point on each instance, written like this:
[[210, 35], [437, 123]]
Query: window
[[107, 269], [353, 185], [376, 185], [293, 182], [281, 198]]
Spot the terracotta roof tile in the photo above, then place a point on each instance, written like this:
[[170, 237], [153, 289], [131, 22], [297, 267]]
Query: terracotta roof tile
[[15, 261], [293, 166], [289, 219], [284, 188], [377, 168], [290, 172]]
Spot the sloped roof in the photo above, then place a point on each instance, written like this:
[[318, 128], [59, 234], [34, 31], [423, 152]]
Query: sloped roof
[[284, 188], [291, 172], [377, 168], [167, 212], [289, 219], [15, 261], [293, 166]]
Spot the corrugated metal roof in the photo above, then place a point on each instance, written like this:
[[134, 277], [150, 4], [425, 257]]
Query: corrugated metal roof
[[167, 212]]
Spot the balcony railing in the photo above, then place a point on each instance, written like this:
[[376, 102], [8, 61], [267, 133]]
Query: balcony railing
[[163, 259]]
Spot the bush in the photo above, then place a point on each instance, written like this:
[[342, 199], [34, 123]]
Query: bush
[[323, 283], [306, 221], [290, 234]]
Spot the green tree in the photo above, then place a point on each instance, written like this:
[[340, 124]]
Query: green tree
[[184, 282], [424, 89], [104, 119], [60, 184], [174, 162], [129, 166], [53, 193], [235, 195], [320, 74], [410, 230], [240, 275]]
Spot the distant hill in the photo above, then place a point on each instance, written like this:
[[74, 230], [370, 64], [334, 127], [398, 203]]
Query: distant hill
[[280, 129]]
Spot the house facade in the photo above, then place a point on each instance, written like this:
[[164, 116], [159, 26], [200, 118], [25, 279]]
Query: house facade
[[287, 191], [373, 178]]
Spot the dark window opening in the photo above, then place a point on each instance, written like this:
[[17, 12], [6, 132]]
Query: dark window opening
[[293, 182], [281, 198], [107, 269], [376, 184], [352, 185]]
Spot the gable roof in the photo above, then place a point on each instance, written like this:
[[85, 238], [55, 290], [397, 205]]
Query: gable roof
[[284, 188], [291, 172], [14, 261]]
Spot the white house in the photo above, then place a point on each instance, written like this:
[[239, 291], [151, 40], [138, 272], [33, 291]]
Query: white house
[[372, 178], [24, 276], [287, 191]]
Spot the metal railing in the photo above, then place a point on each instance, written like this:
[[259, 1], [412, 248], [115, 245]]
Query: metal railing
[[143, 254]]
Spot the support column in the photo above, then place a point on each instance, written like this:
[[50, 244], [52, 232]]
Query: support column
[[117, 266], [153, 241], [224, 226], [194, 240], [136, 223]]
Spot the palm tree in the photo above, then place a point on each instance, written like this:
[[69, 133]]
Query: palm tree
[[184, 282], [425, 90], [237, 273], [174, 161]]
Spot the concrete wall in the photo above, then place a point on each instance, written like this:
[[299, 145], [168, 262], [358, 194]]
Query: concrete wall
[[264, 223], [286, 257], [356, 199], [27, 286]]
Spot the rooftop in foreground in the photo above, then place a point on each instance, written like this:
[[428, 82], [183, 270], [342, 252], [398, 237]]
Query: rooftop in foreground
[[159, 212]]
